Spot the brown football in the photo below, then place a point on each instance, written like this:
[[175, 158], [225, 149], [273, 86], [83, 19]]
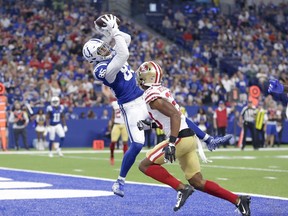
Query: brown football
[[99, 22]]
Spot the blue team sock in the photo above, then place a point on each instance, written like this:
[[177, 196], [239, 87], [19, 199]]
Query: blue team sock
[[50, 145], [129, 158], [202, 135], [61, 142]]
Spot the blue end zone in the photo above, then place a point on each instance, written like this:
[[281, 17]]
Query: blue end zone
[[139, 199]]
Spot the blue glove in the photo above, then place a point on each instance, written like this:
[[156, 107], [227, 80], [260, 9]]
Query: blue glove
[[275, 86]]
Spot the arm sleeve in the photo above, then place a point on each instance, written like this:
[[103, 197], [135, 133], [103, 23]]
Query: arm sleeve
[[122, 55]]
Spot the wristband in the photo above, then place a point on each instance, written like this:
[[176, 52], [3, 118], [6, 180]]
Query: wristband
[[172, 139]]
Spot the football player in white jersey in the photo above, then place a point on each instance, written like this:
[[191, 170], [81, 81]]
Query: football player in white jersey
[[54, 117], [118, 130], [181, 145]]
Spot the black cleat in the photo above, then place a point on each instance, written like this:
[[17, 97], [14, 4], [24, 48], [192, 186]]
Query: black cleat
[[244, 205], [182, 196]]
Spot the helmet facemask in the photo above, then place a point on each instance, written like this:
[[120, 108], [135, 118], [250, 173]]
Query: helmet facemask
[[96, 50]]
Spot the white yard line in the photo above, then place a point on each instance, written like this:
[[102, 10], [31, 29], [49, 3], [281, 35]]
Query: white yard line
[[245, 168], [121, 151], [130, 182]]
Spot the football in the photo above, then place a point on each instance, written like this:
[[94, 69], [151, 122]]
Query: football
[[100, 23]]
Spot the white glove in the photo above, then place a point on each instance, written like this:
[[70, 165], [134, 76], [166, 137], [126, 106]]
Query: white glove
[[46, 131], [144, 125], [112, 26], [100, 30], [65, 128]]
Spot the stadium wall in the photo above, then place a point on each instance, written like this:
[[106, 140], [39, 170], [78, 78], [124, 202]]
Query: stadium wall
[[82, 132]]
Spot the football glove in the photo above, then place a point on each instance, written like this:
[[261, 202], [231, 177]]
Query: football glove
[[46, 131], [169, 153], [144, 125], [102, 31], [112, 26], [65, 128], [275, 86]]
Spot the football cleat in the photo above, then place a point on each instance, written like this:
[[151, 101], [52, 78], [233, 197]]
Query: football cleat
[[244, 205], [214, 142], [50, 154], [118, 187], [182, 196]]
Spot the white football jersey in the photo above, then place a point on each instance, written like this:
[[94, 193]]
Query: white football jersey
[[118, 118], [158, 91]]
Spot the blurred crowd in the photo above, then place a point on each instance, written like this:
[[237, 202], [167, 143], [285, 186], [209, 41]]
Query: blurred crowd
[[41, 52]]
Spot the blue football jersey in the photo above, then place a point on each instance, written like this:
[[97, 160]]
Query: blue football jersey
[[55, 114], [124, 86]]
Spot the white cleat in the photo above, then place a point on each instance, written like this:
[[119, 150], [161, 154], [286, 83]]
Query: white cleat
[[50, 154]]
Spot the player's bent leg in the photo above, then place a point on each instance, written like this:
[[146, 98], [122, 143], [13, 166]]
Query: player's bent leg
[[127, 162]]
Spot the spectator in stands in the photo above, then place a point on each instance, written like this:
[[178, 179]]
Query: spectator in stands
[[70, 115], [242, 86], [166, 23], [105, 114], [91, 114], [20, 120]]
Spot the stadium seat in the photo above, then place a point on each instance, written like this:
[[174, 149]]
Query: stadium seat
[[98, 144]]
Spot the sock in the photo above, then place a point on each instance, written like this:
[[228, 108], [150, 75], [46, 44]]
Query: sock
[[196, 129], [160, 174], [112, 147], [121, 178], [214, 189], [129, 158], [50, 145], [61, 142], [125, 147]]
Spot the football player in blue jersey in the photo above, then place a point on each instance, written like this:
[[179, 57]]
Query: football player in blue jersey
[[111, 67], [54, 117]]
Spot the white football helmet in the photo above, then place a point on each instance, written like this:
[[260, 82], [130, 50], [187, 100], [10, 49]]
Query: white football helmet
[[149, 73], [55, 101], [96, 50]]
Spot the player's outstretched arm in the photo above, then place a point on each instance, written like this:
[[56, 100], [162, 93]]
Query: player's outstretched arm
[[275, 86]]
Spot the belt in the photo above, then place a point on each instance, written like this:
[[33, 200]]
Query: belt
[[186, 133]]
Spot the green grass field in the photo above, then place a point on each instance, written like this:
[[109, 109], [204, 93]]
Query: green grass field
[[262, 172]]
